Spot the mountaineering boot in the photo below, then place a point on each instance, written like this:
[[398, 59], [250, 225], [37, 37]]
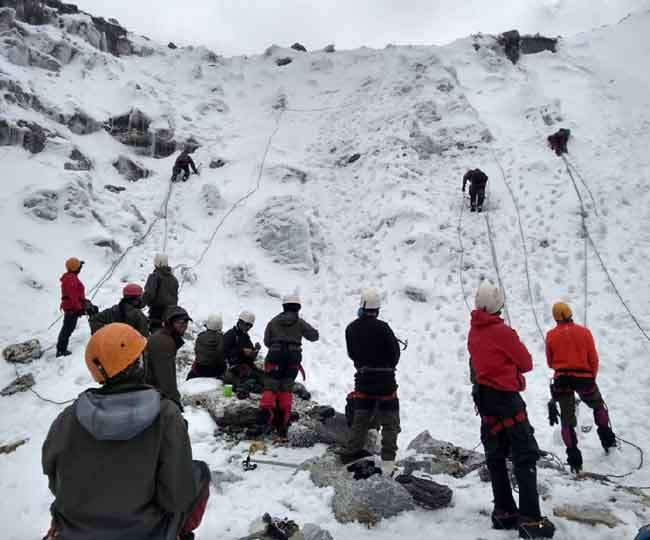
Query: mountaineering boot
[[387, 468], [536, 528], [472, 209], [503, 520], [607, 437], [574, 459], [479, 209], [63, 353]]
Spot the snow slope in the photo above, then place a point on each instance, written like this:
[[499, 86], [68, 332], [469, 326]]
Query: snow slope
[[393, 219]]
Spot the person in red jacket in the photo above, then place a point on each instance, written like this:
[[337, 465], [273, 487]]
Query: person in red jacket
[[498, 361], [73, 303], [571, 353]]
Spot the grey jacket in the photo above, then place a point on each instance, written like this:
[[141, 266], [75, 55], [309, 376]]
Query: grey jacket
[[161, 289], [119, 464], [288, 329], [209, 349]]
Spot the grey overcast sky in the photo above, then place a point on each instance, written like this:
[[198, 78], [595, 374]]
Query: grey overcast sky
[[233, 27]]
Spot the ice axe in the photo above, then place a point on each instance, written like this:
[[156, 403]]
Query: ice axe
[[251, 464]]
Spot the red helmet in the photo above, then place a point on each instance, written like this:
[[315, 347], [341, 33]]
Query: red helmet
[[131, 290]]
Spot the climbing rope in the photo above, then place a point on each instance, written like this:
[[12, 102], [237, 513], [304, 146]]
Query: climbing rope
[[39, 396], [462, 254], [604, 266]]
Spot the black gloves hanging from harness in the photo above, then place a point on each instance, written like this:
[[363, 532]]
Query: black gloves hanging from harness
[[553, 413]]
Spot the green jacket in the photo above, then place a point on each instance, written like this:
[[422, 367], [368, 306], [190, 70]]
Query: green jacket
[[161, 289], [209, 350], [122, 313], [119, 464], [160, 363]]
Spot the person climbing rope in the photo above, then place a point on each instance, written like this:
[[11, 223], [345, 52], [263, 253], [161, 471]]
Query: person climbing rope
[[160, 291], [73, 304], [477, 182], [208, 348], [160, 358], [183, 163], [128, 311], [283, 337], [375, 352], [240, 354], [498, 361], [558, 141], [118, 460], [571, 353]]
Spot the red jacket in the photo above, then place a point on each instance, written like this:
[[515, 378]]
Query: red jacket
[[73, 293], [570, 350], [497, 356]]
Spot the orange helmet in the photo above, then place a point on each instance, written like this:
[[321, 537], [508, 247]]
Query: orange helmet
[[561, 311], [112, 349], [73, 264]]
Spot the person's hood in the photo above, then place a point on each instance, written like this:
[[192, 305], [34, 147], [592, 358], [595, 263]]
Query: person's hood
[[483, 318], [288, 318], [117, 417]]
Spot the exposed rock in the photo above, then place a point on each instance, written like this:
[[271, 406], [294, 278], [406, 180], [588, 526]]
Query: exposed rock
[[131, 170], [21, 384], [211, 199], [536, 44], [298, 47], [416, 294], [283, 61], [510, 41], [29, 135], [591, 515], [426, 493], [43, 204], [310, 531], [109, 243], [353, 158], [114, 189], [440, 457], [172, 45], [23, 353], [366, 501], [287, 233], [81, 123], [79, 162], [132, 129], [217, 163], [10, 448], [329, 48]]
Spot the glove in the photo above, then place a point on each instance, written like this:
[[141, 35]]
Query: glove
[[553, 414]]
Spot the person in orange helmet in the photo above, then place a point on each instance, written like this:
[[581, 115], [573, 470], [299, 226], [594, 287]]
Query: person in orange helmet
[[571, 353], [119, 460], [73, 303]]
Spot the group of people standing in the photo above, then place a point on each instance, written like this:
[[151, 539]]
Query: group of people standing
[[136, 414]]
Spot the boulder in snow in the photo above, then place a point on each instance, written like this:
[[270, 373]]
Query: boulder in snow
[[131, 170], [23, 353], [10, 448], [426, 493], [43, 204], [298, 47], [21, 384], [217, 163], [329, 48], [171, 45], [79, 162], [283, 61]]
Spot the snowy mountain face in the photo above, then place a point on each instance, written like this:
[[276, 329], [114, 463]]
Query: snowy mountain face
[[330, 173]]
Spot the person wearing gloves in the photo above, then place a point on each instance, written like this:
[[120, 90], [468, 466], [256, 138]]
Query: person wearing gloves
[[240, 354], [283, 337], [498, 361], [128, 311], [209, 358], [118, 460]]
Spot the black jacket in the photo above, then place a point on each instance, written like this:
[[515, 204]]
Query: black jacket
[[185, 161], [234, 341], [476, 178], [161, 289], [208, 349], [373, 346], [122, 313], [160, 359]]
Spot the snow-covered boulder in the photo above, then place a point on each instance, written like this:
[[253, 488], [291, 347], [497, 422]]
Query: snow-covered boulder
[[43, 204], [23, 353], [130, 169], [20, 384]]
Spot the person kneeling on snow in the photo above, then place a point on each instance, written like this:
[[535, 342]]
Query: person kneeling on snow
[[119, 460], [571, 353], [240, 353], [374, 349], [498, 360], [209, 359], [283, 337], [127, 311]]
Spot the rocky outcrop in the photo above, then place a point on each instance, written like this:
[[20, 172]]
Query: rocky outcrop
[[514, 44], [217, 163], [329, 48], [283, 61], [12, 447], [29, 135], [132, 129], [23, 353], [21, 384], [299, 47], [43, 204], [130, 169], [78, 162]]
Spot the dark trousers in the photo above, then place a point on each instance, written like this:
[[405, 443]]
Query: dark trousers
[[176, 177], [516, 441], [156, 318], [69, 325], [369, 412], [476, 196], [191, 519], [199, 370]]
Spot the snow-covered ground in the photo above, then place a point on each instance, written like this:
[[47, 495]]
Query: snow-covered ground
[[419, 117]]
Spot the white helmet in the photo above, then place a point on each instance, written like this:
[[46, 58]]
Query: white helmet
[[214, 322], [160, 259], [293, 298], [247, 317], [369, 299], [489, 297]]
